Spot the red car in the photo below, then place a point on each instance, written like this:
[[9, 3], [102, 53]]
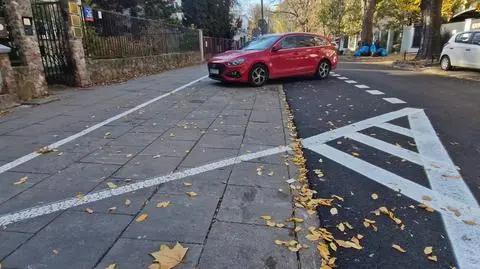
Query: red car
[[275, 56]]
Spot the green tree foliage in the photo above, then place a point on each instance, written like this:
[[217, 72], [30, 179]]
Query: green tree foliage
[[213, 16], [395, 14], [159, 10], [340, 17]]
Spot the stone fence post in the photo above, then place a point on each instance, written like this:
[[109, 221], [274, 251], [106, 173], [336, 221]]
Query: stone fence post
[[7, 79], [19, 17], [200, 40]]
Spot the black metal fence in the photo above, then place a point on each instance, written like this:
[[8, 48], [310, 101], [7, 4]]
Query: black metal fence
[[112, 35]]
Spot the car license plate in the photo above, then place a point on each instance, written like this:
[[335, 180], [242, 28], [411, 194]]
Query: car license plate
[[214, 71]]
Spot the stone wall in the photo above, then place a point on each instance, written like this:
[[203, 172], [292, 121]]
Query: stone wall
[[113, 70]]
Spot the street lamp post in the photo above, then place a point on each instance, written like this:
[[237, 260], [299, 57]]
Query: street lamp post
[[262, 27]]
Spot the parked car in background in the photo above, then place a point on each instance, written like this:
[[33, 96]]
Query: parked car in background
[[275, 56], [462, 50]]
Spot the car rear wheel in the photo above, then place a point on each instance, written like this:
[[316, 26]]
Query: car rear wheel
[[323, 69], [445, 63], [258, 75]]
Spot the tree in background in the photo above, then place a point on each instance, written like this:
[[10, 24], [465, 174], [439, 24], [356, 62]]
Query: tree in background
[[159, 10], [255, 23], [214, 17], [395, 14], [369, 7], [302, 11], [430, 44]]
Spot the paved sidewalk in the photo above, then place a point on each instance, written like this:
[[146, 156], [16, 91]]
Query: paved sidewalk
[[202, 124]]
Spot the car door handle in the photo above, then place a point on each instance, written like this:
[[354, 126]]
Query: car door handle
[[467, 49]]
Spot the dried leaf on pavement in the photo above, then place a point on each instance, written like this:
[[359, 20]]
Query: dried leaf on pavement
[[355, 154], [80, 196], [470, 222], [187, 184], [428, 250], [112, 185], [142, 218], [111, 266], [112, 209], [374, 196], [426, 207], [128, 202], [296, 220], [89, 210], [168, 258], [341, 227], [348, 244], [333, 211], [21, 181], [432, 258], [337, 197], [270, 174], [266, 217], [163, 204], [427, 198], [45, 150], [398, 248], [191, 194], [270, 223]]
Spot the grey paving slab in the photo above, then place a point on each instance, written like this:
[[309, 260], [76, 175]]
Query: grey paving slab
[[280, 158], [202, 114], [235, 112], [135, 139], [201, 156], [93, 235], [134, 253], [184, 220], [146, 166], [199, 182], [8, 140], [79, 177], [247, 246], [246, 204], [195, 124], [231, 120], [178, 133], [264, 134], [112, 130], [151, 128], [168, 118], [50, 163], [269, 116], [168, 147], [9, 189], [272, 175], [113, 155], [222, 129], [220, 141], [11, 241], [87, 144], [32, 225]]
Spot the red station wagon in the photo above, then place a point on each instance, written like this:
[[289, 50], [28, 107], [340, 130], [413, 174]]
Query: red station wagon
[[275, 56]]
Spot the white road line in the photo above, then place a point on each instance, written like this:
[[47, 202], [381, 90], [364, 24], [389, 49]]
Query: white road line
[[351, 81], [394, 100], [335, 75], [57, 144], [375, 92], [465, 240], [342, 78], [361, 125], [361, 86], [107, 193], [396, 129]]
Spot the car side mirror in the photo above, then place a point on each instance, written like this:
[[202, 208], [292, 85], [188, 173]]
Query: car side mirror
[[276, 48]]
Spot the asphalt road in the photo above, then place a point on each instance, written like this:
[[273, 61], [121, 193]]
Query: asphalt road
[[452, 107]]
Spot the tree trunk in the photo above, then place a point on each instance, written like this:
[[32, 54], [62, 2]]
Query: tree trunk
[[367, 25], [430, 45]]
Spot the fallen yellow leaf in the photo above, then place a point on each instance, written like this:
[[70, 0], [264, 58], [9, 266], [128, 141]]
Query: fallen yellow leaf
[[280, 225], [187, 184], [111, 209], [333, 246], [142, 217], [333, 211], [89, 210], [341, 227], [191, 194], [355, 154], [296, 220], [432, 258], [359, 236], [427, 198], [111, 266], [163, 204], [374, 196], [80, 196], [347, 244], [278, 242], [271, 173], [349, 226], [167, 257], [428, 250], [112, 185], [337, 197], [128, 202], [266, 217], [398, 248], [21, 181], [323, 250], [45, 150], [470, 222], [298, 229], [270, 223]]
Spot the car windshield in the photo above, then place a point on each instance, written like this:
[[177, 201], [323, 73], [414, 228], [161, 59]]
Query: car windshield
[[261, 43]]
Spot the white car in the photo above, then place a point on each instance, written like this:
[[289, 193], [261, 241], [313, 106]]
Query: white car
[[462, 50]]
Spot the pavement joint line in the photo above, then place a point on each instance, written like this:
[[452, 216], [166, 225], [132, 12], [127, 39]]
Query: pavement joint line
[[64, 141], [375, 92], [394, 100], [37, 211]]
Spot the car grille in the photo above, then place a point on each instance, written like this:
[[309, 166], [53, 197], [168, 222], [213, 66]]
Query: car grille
[[220, 67]]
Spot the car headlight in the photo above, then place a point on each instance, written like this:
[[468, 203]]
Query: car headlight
[[236, 62]]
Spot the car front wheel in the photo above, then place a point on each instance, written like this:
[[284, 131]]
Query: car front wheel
[[445, 63], [258, 75], [323, 69]]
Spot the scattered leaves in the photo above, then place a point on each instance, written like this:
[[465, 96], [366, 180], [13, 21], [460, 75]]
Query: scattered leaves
[[21, 181], [168, 258], [296, 220], [191, 194], [163, 204], [398, 248], [112, 185], [141, 218]]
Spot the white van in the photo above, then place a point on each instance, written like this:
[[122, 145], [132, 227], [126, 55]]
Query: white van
[[462, 50]]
